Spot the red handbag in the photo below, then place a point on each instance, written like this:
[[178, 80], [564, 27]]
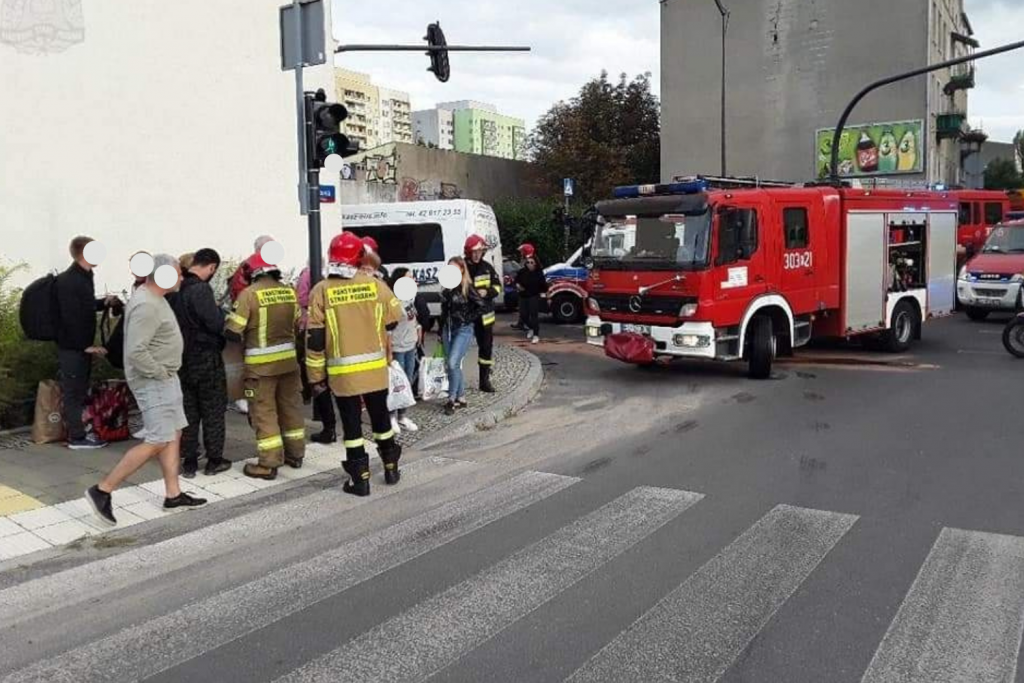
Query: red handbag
[[106, 411], [629, 347]]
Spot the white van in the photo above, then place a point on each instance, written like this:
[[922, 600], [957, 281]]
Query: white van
[[422, 236]]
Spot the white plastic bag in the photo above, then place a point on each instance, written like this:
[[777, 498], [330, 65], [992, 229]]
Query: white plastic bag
[[433, 376], [400, 391]]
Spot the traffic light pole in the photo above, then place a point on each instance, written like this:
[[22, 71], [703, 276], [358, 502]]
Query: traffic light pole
[[313, 193]]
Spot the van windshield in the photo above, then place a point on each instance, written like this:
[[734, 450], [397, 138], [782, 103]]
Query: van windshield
[[405, 243], [1005, 240]]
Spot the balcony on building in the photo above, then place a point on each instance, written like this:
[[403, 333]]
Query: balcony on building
[[961, 78], [950, 126]]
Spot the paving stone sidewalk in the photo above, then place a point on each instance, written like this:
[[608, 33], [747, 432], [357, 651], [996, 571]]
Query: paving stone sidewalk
[[41, 486]]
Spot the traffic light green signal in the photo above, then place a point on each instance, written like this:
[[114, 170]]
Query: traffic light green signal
[[328, 140]]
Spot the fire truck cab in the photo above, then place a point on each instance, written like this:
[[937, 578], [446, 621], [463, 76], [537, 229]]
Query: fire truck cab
[[749, 272]]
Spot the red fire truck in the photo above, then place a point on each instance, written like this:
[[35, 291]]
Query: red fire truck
[[979, 212], [736, 270]]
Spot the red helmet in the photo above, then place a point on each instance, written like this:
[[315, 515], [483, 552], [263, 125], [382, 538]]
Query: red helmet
[[527, 250], [474, 242], [345, 249], [370, 244], [257, 266]]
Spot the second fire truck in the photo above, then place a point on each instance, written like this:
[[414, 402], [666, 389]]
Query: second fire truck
[[747, 272]]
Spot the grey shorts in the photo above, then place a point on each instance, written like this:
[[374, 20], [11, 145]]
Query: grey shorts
[[163, 412]]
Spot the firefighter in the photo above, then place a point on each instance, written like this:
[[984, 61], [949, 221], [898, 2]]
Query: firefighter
[[347, 354], [264, 320], [487, 282]]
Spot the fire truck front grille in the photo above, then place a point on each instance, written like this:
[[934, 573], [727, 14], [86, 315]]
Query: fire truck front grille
[[642, 305], [994, 293]]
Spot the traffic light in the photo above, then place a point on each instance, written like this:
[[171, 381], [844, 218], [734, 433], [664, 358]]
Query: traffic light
[[327, 136], [438, 58]]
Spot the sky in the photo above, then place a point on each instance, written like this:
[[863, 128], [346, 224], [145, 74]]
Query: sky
[[573, 40]]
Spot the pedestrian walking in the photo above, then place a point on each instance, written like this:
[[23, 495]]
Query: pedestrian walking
[[405, 338], [461, 310], [264, 321], [77, 306], [346, 355], [525, 250], [152, 358], [532, 286], [202, 374], [487, 283]]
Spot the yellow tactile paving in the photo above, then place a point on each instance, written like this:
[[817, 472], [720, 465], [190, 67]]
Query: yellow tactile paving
[[13, 501]]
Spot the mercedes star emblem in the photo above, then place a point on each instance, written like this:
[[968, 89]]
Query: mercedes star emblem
[[635, 303]]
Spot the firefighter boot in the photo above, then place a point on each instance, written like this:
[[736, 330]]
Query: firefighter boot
[[359, 471], [259, 472], [326, 436], [390, 452], [485, 379]]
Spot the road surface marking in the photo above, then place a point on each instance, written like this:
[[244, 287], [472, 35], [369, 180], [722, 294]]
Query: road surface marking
[[157, 645], [439, 630], [698, 630], [111, 574], [963, 617]]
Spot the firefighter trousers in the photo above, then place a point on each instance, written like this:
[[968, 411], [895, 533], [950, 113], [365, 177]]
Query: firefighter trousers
[[275, 412], [485, 342], [351, 409]]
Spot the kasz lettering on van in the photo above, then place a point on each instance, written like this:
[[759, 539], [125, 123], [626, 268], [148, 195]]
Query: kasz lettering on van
[[423, 275]]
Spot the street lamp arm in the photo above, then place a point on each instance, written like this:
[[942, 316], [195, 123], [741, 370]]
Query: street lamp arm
[[834, 161], [430, 48]]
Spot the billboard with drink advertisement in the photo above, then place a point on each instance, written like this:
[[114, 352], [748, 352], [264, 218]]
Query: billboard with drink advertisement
[[873, 149]]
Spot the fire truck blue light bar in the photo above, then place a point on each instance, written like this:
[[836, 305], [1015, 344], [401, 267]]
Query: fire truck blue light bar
[[632, 191]]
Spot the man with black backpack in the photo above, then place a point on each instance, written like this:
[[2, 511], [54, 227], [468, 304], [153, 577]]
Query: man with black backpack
[[203, 379], [76, 308]]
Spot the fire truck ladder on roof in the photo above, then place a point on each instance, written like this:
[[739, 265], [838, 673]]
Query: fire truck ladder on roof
[[730, 182]]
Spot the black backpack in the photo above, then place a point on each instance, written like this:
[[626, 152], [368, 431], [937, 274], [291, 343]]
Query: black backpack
[[37, 311]]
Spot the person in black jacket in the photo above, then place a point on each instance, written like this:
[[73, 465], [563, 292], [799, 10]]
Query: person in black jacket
[[532, 286], [461, 309], [203, 380], [77, 306], [488, 285]]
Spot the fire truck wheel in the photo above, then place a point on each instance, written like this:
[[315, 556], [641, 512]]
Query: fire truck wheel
[[761, 348], [976, 314], [901, 330], [567, 308]]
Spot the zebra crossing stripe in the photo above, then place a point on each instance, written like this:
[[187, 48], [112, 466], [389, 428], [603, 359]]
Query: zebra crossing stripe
[[698, 630], [111, 574], [963, 617], [437, 631], [152, 647]]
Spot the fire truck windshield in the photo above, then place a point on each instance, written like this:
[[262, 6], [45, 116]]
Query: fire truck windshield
[[1005, 240], [668, 242]]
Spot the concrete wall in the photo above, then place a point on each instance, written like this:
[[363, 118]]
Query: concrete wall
[[401, 172], [793, 66], [170, 126]]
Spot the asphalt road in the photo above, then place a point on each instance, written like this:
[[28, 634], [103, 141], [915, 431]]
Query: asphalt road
[[857, 518]]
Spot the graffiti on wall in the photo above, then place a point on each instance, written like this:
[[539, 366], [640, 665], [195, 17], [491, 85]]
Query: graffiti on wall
[[413, 190], [34, 27], [489, 138], [382, 168]]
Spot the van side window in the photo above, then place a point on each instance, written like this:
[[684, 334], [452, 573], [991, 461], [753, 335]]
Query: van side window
[[965, 213], [794, 223], [993, 213]]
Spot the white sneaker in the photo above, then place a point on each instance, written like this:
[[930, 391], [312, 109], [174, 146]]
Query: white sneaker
[[242, 405], [394, 426], [408, 425], [140, 435], [529, 333], [535, 339]]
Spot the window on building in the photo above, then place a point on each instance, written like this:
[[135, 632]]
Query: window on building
[[993, 213], [795, 225]]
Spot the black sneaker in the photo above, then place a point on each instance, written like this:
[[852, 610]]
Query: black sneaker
[[217, 466], [89, 443], [183, 500], [102, 505], [188, 470], [449, 408]]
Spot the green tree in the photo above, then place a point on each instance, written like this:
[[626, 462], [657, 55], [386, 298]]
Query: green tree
[[608, 135], [529, 220], [1018, 144], [1002, 174]]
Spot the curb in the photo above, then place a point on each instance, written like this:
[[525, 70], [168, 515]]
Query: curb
[[502, 409]]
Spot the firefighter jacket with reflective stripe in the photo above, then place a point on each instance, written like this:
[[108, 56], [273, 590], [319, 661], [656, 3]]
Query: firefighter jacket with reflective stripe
[[264, 316], [346, 340], [486, 279]]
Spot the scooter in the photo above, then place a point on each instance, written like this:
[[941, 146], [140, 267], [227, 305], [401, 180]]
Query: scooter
[[1013, 336]]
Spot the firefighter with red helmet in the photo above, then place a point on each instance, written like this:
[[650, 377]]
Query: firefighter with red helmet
[[347, 354], [526, 250], [488, 284], [263, 321], [371, 259]]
